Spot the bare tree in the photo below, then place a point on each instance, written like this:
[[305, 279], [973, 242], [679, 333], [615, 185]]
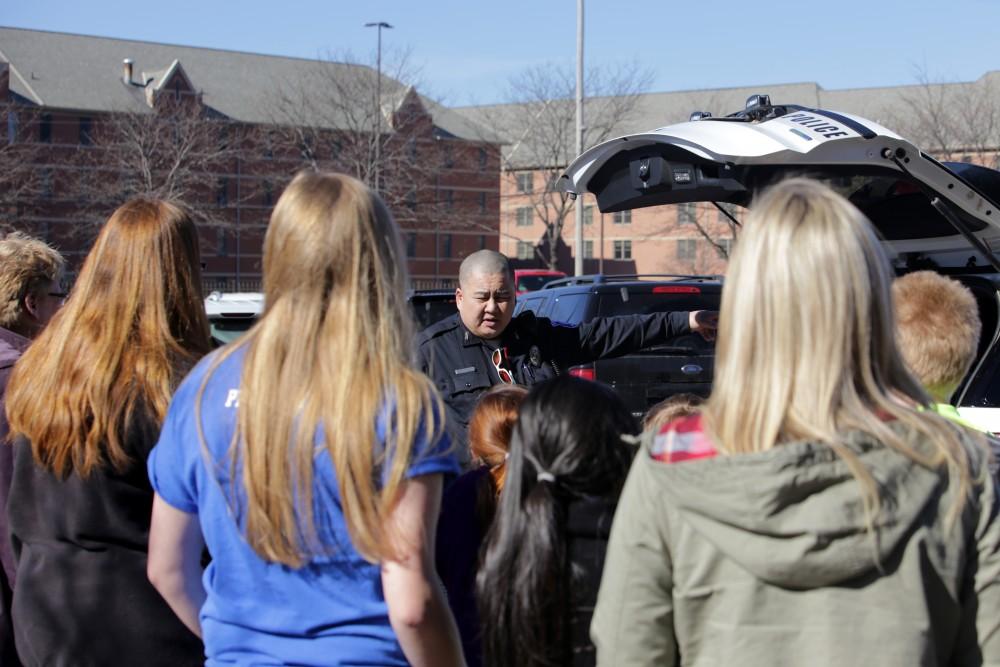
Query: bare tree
[[173, 151], [539, 126], [340, 115], [22, 179], [949, 119]]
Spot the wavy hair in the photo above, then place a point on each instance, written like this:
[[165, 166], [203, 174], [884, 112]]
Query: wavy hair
[[490, 430], [134, 323], [332, 354], [27, 265], [571, 429], [806, 347]]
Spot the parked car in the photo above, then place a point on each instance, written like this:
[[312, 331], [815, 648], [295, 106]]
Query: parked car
[[231, 314], [529, 280], [430, 306], [931, 215], [684, 364]]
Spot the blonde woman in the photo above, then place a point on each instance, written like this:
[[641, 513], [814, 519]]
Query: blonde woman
[[85, 402], [309, 457], [818, 513]]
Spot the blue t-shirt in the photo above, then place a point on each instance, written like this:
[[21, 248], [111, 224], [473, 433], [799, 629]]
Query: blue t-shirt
[[331, 611]]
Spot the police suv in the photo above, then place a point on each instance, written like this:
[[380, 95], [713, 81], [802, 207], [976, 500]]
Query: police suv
[[931, 215]]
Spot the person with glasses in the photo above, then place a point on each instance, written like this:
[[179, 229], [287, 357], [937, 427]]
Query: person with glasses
[[483, 345], [30, 271]]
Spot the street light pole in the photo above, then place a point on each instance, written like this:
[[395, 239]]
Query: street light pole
[[578, 204], [377, 123]]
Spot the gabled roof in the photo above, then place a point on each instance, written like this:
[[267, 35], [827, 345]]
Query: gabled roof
[[80, 72]]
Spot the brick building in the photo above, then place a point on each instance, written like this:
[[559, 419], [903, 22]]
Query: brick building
[[959, 121], [85, 119]]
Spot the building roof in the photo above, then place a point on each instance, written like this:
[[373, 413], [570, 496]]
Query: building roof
[[80, 72], [903, 109]]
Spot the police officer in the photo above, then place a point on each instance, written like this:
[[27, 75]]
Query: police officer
[[482, 345]]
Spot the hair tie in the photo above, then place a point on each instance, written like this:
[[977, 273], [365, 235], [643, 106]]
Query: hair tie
[[630, 439], [545, 476]]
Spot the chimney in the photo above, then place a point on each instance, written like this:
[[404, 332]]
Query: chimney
[[127, 71]]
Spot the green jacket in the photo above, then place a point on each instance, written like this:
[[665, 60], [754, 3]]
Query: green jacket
[[764, 559]]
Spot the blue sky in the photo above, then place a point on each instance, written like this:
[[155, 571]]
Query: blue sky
[[467, 50]]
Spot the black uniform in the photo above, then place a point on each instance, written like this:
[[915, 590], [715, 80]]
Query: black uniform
[[534, 349]]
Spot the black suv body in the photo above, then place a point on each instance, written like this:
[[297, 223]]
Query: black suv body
[[643, 379], [430, 306]]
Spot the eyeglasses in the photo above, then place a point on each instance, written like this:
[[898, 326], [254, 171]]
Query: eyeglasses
[[505, 375]]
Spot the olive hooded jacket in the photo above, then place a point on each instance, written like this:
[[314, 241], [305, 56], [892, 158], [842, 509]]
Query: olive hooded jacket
[[766, 559]]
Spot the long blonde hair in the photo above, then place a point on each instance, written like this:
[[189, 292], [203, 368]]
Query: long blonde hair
[[132, 326], [333, 351], [806, 347]]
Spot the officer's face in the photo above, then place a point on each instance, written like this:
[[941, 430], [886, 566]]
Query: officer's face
[[485, 303]]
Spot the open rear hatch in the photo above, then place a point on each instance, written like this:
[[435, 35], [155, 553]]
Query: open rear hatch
[[929, 213]]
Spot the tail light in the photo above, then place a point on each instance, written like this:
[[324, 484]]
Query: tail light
[[585, 372]]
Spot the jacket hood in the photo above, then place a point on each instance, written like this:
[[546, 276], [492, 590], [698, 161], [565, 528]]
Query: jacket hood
[[794, 516]]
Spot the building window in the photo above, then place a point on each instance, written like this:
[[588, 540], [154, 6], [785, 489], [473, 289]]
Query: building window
[[525, 250], [524, 216], [482, 241], [724, 208], [622, 217], [12, 127], [411, 200], [687, 248], [221, 244], [623, 249], [482, 202], [446, 245], [686, 214], [526, 182], [588, 249], [85, 137], [449, 157], [727, 246], [411, 149], [411, 245], [268, 193], [483, 158], [45, 128], [47, 183], [588, 215], [448, 196], [222, 192]]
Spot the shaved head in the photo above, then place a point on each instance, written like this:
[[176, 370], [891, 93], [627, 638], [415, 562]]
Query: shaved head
[[485, 294], [484, 262]]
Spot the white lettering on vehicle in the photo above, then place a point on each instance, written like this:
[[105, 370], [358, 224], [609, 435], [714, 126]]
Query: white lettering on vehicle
[[821, 126], [233, 398]]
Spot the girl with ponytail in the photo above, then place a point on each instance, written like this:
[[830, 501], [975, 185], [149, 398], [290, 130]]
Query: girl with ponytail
[[469, 505], [541, 569]]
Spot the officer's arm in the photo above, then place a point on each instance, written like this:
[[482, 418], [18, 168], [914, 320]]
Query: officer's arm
[[616, 336]]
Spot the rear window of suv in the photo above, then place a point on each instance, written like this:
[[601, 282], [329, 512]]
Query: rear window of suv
[[626, 302]]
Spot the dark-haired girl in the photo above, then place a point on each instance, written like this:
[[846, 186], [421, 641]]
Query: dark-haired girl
[[542, 564]]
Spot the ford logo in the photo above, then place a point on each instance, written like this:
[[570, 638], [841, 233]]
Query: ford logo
[[691, 369]]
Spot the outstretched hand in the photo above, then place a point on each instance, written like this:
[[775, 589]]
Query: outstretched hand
[[704, 322]]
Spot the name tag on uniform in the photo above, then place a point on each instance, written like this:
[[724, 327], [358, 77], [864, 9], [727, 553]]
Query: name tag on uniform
[[463, 371]]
